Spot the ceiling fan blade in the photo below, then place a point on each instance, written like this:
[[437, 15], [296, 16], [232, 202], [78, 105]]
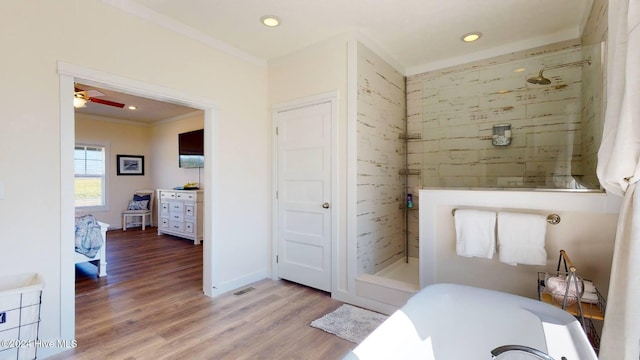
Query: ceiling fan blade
[[93, 93], [106, 102]]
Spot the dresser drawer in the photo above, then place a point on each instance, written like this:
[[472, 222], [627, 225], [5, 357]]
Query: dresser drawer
[[186, 196], [176, 226], [164, 208], [167, 195], [189, 227], [176, 207], [189, 210], [176, 216], [164, 223]]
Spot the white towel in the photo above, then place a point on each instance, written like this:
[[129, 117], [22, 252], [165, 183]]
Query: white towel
[[590, 297], [589, 287], [475, 233], [557, 286], [521, 238]]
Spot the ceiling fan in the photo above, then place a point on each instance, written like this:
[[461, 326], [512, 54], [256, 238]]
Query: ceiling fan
[[81, 97]]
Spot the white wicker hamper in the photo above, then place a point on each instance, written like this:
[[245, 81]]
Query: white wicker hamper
[[20, 299]]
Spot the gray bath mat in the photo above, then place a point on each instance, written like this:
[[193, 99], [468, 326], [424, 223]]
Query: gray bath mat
[[350, 322]]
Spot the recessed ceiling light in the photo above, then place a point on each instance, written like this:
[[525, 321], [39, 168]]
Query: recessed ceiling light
[[471, 37], [132, 107], [520, 69], [270, 21]]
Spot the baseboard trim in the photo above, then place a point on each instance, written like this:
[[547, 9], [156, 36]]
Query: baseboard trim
[[239, 282]]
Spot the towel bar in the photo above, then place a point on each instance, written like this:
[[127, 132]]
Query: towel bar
[[552, 219]]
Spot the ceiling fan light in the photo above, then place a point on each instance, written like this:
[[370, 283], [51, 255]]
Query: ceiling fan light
[[79, 102]]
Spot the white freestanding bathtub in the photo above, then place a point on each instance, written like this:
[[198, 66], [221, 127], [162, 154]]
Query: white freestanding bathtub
[[452, 322]]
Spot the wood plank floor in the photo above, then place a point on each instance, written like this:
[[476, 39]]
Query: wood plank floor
[[151, 306]]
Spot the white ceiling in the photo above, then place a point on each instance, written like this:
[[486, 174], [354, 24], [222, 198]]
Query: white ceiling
[[413, 32], [414, 35], [147, 110]]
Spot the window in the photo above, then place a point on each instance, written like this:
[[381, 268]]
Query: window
[[89, 167]]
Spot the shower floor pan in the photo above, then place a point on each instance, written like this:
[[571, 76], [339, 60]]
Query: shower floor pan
[[393, 285]]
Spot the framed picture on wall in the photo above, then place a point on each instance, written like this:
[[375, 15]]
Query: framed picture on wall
[[130, 164]]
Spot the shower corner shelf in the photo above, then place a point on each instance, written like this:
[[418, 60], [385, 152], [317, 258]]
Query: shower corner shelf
[[416, 136], [409, 171]]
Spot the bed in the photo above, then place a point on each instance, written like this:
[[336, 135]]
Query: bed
[[100, 258]]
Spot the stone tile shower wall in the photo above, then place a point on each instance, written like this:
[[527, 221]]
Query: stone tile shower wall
[[592, 116], [453, 111], [593, 38], [381, 156]]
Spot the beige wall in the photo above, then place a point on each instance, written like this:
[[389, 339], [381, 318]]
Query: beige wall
[[35, 36], [118, 139], [164, 147]]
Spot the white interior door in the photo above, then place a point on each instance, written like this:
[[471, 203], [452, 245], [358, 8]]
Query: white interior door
[[304, 195]]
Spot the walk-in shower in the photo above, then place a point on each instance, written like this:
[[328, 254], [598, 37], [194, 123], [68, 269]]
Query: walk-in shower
[[447, 142]]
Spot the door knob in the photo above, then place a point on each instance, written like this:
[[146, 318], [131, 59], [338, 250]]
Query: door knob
[[325, 205]]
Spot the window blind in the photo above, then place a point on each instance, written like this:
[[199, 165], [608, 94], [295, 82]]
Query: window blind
[[89, 167]]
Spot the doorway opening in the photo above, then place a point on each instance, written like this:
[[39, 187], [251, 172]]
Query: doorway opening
[[69, 76]]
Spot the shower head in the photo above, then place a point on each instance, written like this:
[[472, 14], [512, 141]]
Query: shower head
[[539, 80]]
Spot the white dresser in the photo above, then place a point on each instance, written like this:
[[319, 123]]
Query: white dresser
[[180, 213]]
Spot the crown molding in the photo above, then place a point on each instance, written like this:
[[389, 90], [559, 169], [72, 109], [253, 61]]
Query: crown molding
[[170, 24]]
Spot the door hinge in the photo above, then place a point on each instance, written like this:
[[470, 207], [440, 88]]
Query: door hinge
[[276, 130], [277, 259], [276, 194]]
